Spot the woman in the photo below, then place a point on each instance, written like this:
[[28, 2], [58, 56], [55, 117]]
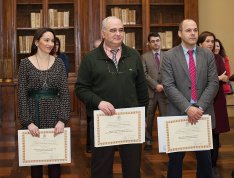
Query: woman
[[219, 49], [43, 93], [206, 40], [57, 53]]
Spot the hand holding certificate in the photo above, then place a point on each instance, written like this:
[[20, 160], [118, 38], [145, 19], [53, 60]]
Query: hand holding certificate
[[125, 127], [176, 134], [46, 149]]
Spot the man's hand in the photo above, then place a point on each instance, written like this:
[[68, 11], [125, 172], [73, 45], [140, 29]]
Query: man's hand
[[194, 114], [107, 108], [159, 88]]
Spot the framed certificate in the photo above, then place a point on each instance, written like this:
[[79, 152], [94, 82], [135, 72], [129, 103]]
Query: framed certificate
[[127, 126], [176, 134], [46, 149]]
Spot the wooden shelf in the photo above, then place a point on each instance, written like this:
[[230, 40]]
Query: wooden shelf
[[167, 4], [24, 27], [165, 25], [154, 16]]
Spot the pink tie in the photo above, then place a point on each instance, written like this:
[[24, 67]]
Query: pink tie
[[192, 71], [157, 60]]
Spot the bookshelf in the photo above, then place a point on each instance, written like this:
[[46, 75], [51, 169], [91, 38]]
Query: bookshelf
[[57, 14], [165, 16], [130, 12], [154, 16]]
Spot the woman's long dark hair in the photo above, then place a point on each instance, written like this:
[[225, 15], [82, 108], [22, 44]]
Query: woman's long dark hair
[[222, 51], [38, 34]]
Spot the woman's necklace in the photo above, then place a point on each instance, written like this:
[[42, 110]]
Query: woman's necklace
[[45, 83]]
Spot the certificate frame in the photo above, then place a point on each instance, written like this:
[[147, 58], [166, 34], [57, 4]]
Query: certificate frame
[[127, 126], [44, 150], [176, 134]]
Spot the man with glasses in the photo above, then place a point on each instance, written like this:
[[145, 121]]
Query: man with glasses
[[151, 63], [111, 76]]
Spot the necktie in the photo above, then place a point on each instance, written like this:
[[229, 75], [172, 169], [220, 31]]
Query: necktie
[[157, 59], [192, 72], [114, 52]]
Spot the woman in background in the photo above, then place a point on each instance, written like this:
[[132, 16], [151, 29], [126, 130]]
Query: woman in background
[[43, 94], [59, 54], [207, 40], [219, 49]]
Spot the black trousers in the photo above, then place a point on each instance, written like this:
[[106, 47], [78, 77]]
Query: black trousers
[[215, 150], [204, 165], [103, 158], [53, 171], [89, 142]]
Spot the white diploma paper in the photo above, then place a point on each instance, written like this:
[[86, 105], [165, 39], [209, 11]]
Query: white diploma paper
[[46, 149], [127, 126], [176, 134]]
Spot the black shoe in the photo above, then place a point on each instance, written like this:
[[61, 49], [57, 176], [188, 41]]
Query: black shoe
[[88, 149], [215, 173], [232, 173], [148, 145]]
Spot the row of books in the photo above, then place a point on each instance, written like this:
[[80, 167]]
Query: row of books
[[56, 19], [166, 39], [62, 39], [126, 15], [36, 19], [25, 43], [129, 39]]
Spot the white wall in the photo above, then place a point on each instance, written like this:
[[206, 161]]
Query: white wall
[[217, 16]]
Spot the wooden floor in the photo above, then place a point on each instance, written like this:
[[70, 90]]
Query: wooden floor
[[154, 165]]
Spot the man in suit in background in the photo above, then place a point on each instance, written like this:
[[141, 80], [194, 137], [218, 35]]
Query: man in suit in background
[[151, 63], [190, 92]]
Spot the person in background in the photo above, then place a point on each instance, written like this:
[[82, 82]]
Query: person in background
[[89, 144], [207, 40], [110, 77], [58, 54], [43, 94], [219, 49], [151, 63], [189, 93]]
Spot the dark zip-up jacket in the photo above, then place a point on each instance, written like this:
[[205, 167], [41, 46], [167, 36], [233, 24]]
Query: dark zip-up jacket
[[99, 80]]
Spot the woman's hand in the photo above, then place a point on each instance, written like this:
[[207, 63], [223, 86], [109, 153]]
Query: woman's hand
[[223, 77], [59, 128], [34, 130]]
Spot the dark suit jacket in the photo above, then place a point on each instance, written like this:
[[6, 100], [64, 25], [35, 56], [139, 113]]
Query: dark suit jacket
[[152, 72], [177, 83]]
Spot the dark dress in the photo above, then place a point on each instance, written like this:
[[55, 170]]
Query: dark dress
[[220, 107], [50, 110]]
